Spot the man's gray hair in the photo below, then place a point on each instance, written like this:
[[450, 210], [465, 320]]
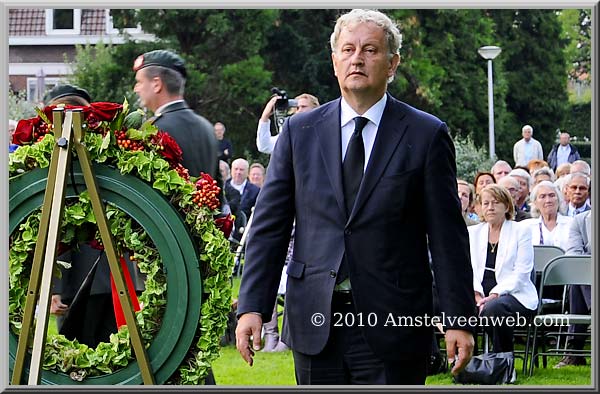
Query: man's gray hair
[[536, 190], [527, 127], [174, 82], [500, 163], [522, 173], [578, 175], [356, 16], [543, 171], [241, 161], [583, 165]]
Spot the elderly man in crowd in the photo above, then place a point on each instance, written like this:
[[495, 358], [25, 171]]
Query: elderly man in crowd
[[527, 148], [514, 188], [501, 169], [581, 166], [525, 181], [578, 187], [563, 152], [239, 181]]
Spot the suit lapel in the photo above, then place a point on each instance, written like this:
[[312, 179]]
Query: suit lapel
[[329, 133], [391, 130]]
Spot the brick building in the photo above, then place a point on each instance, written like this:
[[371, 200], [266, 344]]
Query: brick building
[[40, 39]]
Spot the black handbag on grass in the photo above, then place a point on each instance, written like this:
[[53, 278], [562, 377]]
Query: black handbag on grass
[[489, 368]]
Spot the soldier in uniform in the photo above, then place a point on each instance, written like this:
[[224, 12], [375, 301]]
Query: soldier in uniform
[[160, 82]]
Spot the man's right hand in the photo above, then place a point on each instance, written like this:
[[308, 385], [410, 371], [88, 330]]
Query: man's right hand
[[56, 305], [248, 328]]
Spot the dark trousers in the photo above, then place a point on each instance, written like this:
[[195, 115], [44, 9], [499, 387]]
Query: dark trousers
[[502, 335], [96, 322], [347, 359], [580, 303]]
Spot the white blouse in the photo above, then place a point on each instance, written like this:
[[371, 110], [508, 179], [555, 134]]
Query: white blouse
[[540, 235]]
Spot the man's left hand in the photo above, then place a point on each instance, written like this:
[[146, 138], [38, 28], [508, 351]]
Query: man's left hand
[[459, 346]]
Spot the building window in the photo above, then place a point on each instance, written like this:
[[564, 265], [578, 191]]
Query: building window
[[63, 21], [35, 91], [124, 21]]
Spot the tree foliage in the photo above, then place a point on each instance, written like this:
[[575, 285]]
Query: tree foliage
[[577, 32], [535, 68]]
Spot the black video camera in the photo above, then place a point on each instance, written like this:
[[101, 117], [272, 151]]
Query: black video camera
[[283, 107]]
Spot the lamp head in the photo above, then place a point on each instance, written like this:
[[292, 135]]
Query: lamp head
[[489, 52]]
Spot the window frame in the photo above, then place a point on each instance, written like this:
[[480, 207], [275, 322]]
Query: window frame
[[111, 29], [76, 22]]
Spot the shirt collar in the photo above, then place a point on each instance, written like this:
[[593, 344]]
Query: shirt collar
[[374, 113], [162, 107], [241, 186]]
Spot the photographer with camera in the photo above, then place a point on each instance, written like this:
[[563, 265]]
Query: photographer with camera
[[280, 107]]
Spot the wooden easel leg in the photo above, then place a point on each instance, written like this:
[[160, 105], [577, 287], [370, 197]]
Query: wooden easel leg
[[37, 264]]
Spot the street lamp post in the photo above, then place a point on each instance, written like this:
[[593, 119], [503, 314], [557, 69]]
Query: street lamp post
[[489, 53]]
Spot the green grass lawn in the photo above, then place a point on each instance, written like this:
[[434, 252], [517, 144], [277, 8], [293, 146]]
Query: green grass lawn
[[277, 369]]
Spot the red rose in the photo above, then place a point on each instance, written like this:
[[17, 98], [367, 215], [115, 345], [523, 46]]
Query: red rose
[[170, 149], [225, 224], [93, 121], [106, 111], [24, 131]]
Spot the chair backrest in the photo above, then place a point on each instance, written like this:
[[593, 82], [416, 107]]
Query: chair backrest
[[543, 254], [567, 270]]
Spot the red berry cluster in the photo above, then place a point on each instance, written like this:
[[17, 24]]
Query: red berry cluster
[[207, 192], [127, 143], [40, 131], [182, 171]]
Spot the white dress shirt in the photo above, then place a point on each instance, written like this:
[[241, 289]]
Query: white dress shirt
[[239, 188], [562, 154], [369, 132]]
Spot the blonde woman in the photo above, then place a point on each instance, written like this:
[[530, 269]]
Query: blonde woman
[[502, 262]]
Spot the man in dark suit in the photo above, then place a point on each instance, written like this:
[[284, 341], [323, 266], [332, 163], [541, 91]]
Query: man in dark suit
[[360, 269], [160, 82], [239, 181]]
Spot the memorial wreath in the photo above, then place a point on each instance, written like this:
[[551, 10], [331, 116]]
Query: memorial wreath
[[118, 139]]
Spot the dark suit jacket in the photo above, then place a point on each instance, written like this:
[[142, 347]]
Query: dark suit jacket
[[195, 136], [248, 199], [81, 260], [408, 197]]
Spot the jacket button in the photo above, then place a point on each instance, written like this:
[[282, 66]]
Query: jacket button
[[332, 273], [348, 231]]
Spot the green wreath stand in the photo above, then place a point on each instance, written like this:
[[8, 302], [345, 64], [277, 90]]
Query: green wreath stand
[[175, 245]]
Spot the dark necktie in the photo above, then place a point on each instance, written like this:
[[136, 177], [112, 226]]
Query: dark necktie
[[352, 168], [354, 163]]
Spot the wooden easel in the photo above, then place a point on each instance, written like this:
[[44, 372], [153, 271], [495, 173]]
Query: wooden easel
[[40, 282]]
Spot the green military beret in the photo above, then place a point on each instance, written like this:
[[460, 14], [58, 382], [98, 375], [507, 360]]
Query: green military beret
[[160, 57], [66, 90]]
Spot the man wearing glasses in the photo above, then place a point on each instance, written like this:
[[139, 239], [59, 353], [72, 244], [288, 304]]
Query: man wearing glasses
[[578, 187]]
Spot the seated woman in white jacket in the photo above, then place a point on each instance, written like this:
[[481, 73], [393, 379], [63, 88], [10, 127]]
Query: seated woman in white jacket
[[548, 226], [502, 261]]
